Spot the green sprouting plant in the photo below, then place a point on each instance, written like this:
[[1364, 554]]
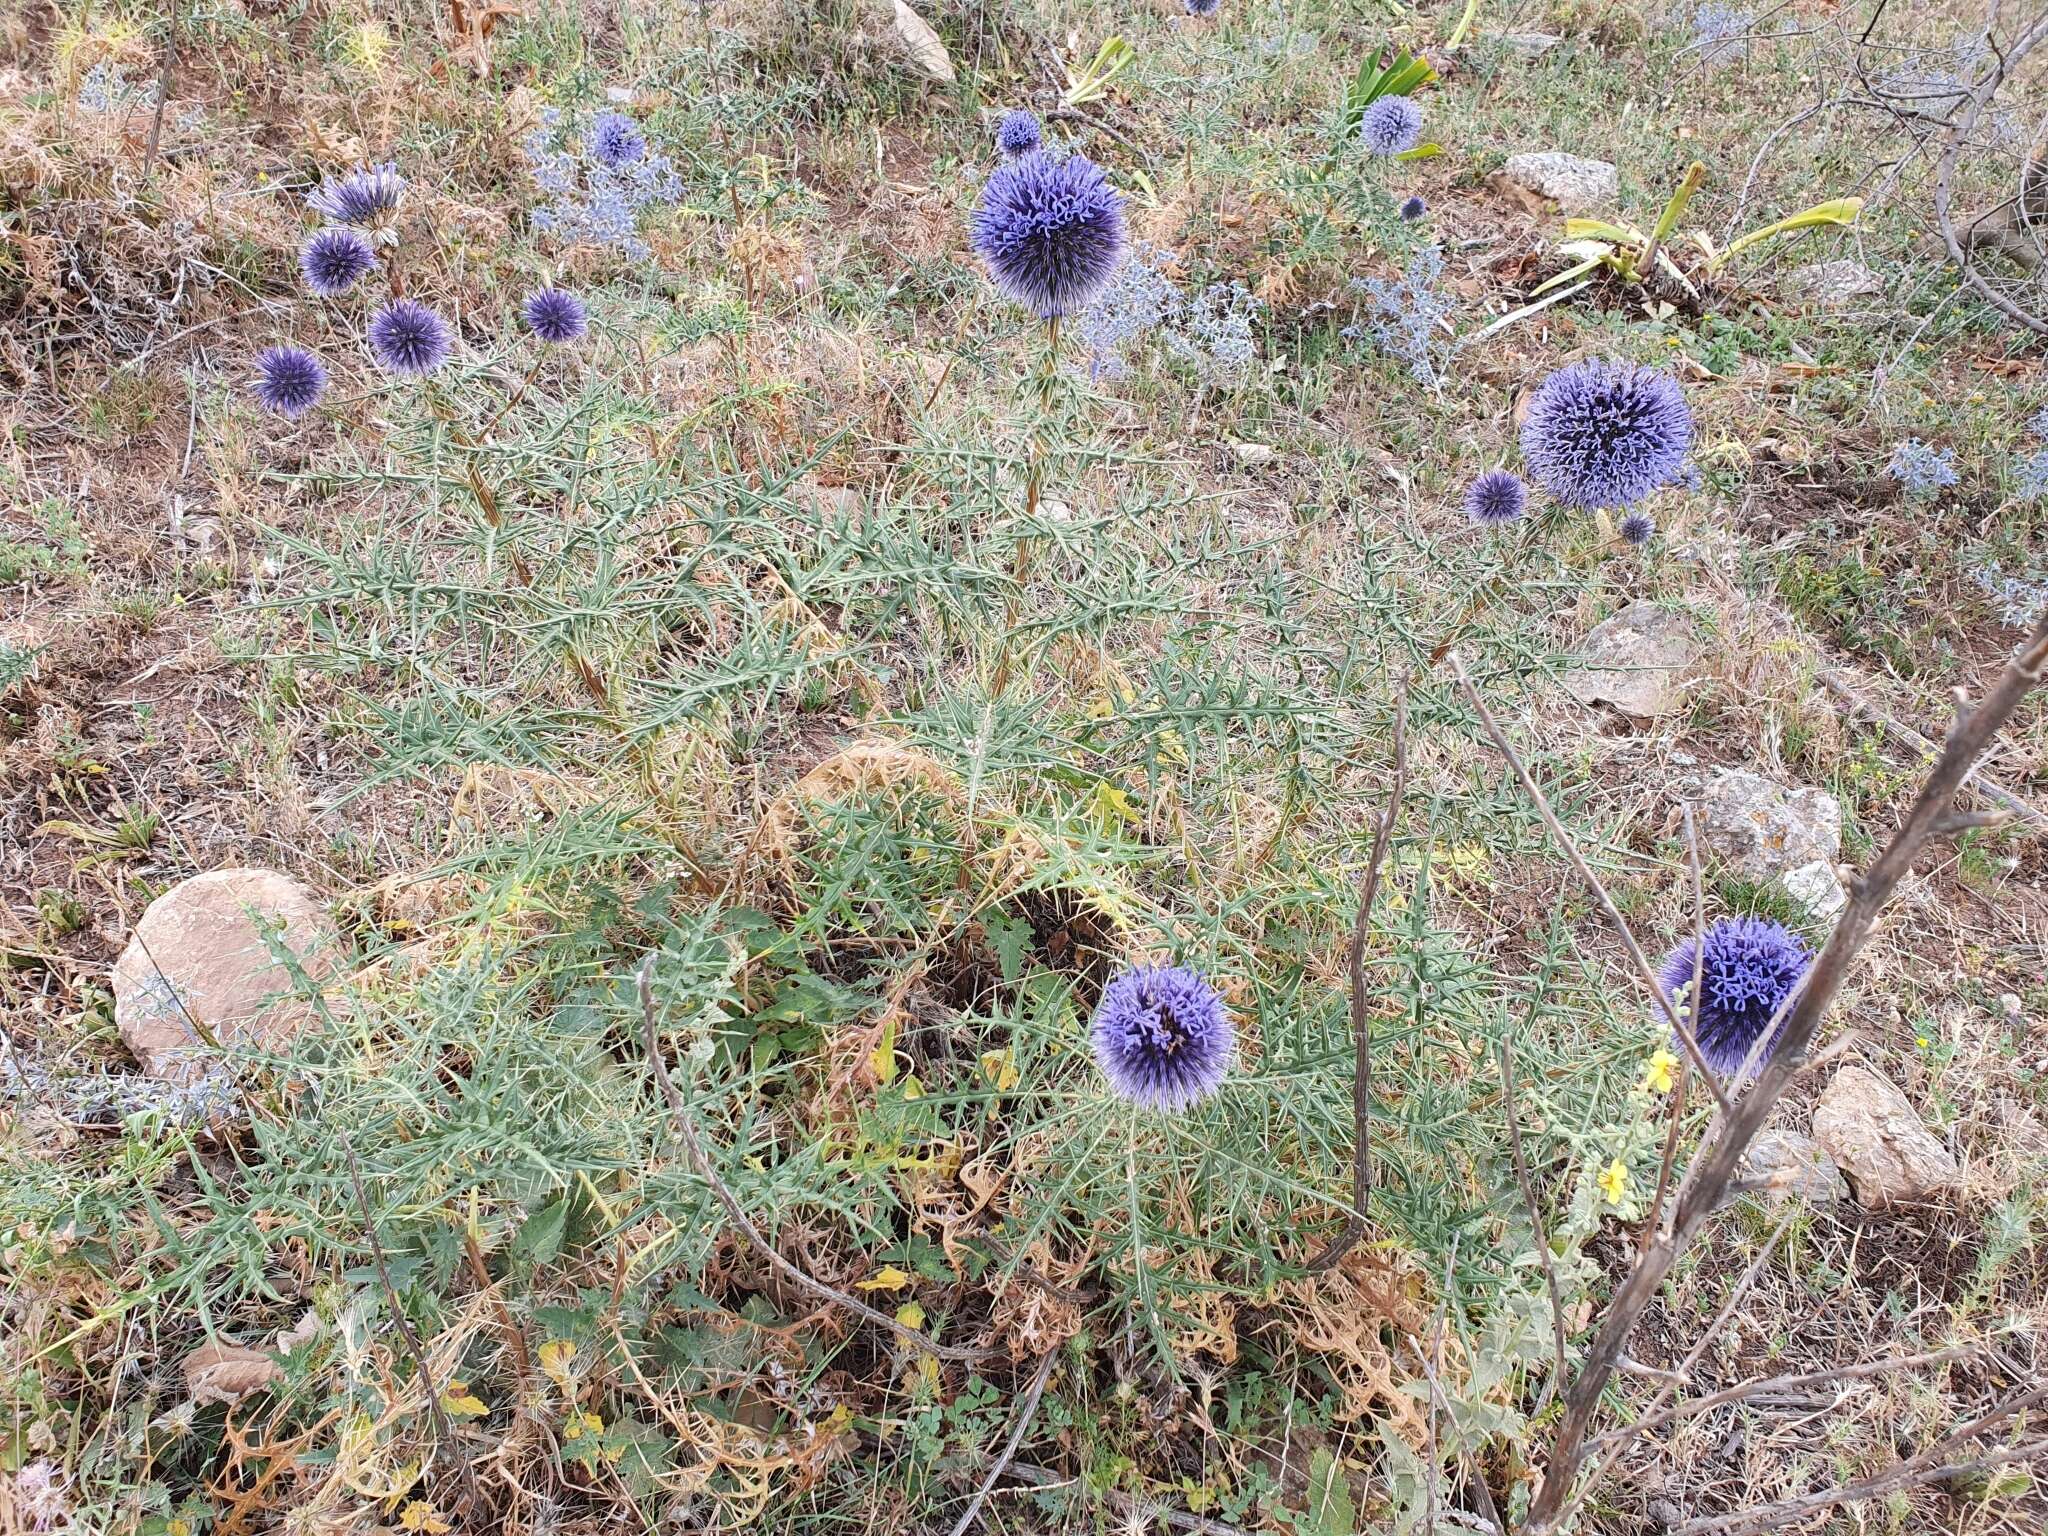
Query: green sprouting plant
[[1091, 81], [1631, 254]]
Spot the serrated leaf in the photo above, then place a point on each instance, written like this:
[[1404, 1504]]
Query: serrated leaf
[[540, 1235]]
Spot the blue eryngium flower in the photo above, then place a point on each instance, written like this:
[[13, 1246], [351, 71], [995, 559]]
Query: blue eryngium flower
[[1601, 434], [1051, 231], [368, 196], [1496, 497], [1751, 966], [1638, 528], [616, 140], [289, 381], [410, 338], [1391, 126], [1018, 133], [1203, 7], [335, 260], [1162, 1037], [555, 315]]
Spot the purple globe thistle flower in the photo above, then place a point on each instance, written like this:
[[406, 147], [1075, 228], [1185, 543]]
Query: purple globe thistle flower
[[1638, 528], [1018, 133], [1162, 1037], [616, 140], [368, 196], [1496, 497], [289, 381], [410, 338], [1203, 7], [1603, 434], [335, 260], [1751, 966], [1391, 126], [1413, 209], [555, 315], [1051, 231]]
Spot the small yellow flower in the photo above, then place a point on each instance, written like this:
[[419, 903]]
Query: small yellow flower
[[1658, 1079], [1614, 1182], [1923, 1042]]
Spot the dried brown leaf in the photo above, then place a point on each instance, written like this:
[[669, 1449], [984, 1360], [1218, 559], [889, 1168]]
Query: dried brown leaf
[[227, 1373]]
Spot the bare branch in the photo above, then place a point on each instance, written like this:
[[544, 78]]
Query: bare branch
[[1026, 1411], [687, 1125], [1361, 1023]]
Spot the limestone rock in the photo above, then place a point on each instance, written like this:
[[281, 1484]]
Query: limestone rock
[[200, 953], [1766, 832], [1530, 45], [1634, 660], [1871, 1130], [1576, 185], [1831, 284], [1792, 1165]]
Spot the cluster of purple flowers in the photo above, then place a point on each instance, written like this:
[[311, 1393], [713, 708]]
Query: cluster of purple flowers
[[1748, 967], [1163, 1037], [1391, 126], [406, 337], [597, 192], [1051, 231]]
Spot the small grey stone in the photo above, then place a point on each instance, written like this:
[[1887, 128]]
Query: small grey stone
[[1831, 284], [1792, 1165], [1766, 832], [1575, 184], [1634, 660], [1530, 45], [1874, 1134]]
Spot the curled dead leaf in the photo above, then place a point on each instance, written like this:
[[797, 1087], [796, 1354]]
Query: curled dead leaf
[[227, 1373], [926, 51]]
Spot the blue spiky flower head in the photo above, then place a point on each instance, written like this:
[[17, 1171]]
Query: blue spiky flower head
[[367, 197], [1496, 497], [616, 140], [1203, 7], [1051, 231], [1019, 133], [1606, 434], [1162, 1037], [409, 338], [555, 315], [1750, 967], [1391, 126], [1413, 209], [289, 380], [336, 259], [1638, 528]]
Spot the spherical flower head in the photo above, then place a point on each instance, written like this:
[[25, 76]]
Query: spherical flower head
[[1751, 966], [555, 315], [289, 381], [410, 338], [1638, 528], [1019, 133], [1051, 231], [616, 140], [1391, 126], [1163, 1037], [1413, 209], [367, 197], [335, 260], [1203, 7], [1496, 497], [1604, 434]]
